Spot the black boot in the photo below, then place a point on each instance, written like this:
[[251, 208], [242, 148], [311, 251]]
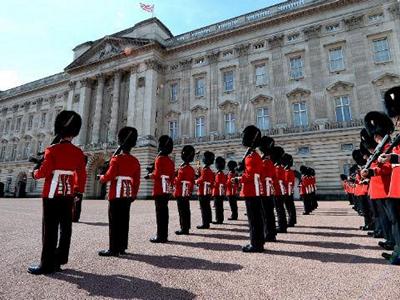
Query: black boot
[[158, 240], [182, 232], [39, 270], [252, 249], [108, 253]]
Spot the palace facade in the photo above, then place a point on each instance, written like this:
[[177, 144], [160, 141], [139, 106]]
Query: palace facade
[[305, 71]]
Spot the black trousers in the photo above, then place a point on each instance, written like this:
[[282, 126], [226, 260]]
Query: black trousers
[[183, 204], [234, 207], [268, 216], [255, 218], [77, 208], [385, 222], [205, 208], [375, 215], [366, 211], [162, 216], [291, 210], [307, 203], [219, 209], [391, 207], [314, 202], [57, 215], [281, 213], [118, 218]]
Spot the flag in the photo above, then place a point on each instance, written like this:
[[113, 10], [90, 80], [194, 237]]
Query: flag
[[147, 7]]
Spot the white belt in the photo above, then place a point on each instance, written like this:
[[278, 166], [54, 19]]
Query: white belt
[[290, 188], [120, 179], [54, 180], [257, 184], [206, 187], [268, 186], [221, 190], [185, 188], [282, 186], [165, 184]]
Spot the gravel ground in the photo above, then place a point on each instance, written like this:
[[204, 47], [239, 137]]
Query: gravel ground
[[324, 257]]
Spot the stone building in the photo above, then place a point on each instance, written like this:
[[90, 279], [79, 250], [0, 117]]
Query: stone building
[[305, 71]]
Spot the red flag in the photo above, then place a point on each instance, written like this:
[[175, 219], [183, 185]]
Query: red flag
[[147, 7]]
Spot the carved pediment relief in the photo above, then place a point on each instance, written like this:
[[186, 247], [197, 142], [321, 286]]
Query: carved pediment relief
[[172, 114], [386, 79], [354, 21], [107, 48], [199, 109], [261, 99], [3, 141], [298, 92], [228, 105], [340, 86], [27, 137]]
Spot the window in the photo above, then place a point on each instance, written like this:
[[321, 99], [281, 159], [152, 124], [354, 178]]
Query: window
[[173, 96], [18, 124], [261, 75], [227, 53], [259, 45], [199, 61], [40, 146], [173, 129], [230, 123], [296, 68], [7, 127], [30, 122], [228, 81], [332, 27], [13, 152], [43, 120], [199, 84], [347, 147], [336, 61], [293, 37], [199, 127], [381, 50], [2, 152], [300, 117], [263, 118], [343, 110], [303, 150], [346, 169], [26, 151]]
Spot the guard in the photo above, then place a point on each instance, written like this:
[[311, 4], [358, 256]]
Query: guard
[[218, 191], [232, 189]]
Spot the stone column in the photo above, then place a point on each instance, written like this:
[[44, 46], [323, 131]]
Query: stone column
[[70, 98], [112, 133], [98, 108], [84, 101], [150, 99], [132, 98]]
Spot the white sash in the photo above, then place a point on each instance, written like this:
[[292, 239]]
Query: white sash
[[120, 179], [257, 184], [207, 186], [185, 188], [221, 190], [56, 184], [165, 184]]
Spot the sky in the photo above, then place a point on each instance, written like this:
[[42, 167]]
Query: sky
[[37, 36]]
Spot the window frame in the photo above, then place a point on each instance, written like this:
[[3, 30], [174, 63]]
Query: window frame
[[299, 112], [331, 60], [376, 52], [230, 123], [263, 116], [174, 129], [202, 126], [225, 83], [342, 106], [298, 70]]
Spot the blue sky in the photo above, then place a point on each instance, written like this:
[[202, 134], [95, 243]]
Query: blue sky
[[37, 36]]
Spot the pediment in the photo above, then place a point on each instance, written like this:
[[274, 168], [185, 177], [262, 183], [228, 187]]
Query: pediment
[[298, 92], [199, 109], [340, 85], [107, 48], [172, 114], [228, 105], [386, 78], [261, 99], [3, 141]]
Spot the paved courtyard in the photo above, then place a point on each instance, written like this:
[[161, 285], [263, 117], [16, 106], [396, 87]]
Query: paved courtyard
[[324, 257]]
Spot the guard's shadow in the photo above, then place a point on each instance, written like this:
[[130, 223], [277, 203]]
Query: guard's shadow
[[329, 257], [329, 245], [329, 227], [240, 230], [94, 223], [329, 234], [208, 245], [222, 236], [182, 263], [121, 286]]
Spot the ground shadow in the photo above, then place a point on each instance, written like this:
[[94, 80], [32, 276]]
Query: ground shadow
[[329, 227], [328, 234], [240, 230], [182, 263], [330, 245], [222, 236], [330, 257], [121, 286], [208, 246], [94, 223]]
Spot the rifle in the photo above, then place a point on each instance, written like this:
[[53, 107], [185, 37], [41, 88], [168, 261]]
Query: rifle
[[39, 158], [378, 151], [394, 144], [241, 165]]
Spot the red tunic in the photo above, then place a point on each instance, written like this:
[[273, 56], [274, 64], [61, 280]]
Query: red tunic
[[184, 181], [268, 175], [124, 174], [252, 176], [289, 180], [279, 181], [231, 188], [205, 182], [163, 176], [380, 182], [394, 191], [64, 170], [219, 186], [303, 185]]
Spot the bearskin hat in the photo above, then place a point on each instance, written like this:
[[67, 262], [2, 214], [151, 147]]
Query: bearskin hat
[[266, 144], [311, 171], [251, 137], [303, 170], [378, 123], [220, 163], [208, 158], [232, 165], [127, 137], [359, 157], [353, 169], [287, 160], [392, 101], [165, 145], [67, 123], [276, 154], [343, 177], [364, 150], [188, 153], [367, 140]]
